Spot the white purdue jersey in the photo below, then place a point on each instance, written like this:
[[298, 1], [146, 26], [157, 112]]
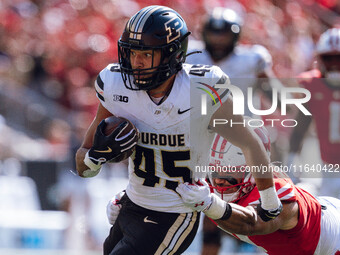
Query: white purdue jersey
[[163, 157], [243, 65]]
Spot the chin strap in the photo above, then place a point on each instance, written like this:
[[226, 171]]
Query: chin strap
[[193, 52]]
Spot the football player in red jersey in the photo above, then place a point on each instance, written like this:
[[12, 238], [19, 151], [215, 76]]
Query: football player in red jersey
[[306, 225], [247, 65], [324, 105]]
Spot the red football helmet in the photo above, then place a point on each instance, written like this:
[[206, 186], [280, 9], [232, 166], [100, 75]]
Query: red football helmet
[[328, 54], [228, 175]]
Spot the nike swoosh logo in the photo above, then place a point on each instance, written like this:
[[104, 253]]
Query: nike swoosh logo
[[149, 221], [106, 151], [181, 112]]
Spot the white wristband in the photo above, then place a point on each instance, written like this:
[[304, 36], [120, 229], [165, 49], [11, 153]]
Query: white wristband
[[91, 164], [216, 209], [90, 173], [269, 199]]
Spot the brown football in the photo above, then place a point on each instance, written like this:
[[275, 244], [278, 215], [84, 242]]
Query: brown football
[[111, 124]]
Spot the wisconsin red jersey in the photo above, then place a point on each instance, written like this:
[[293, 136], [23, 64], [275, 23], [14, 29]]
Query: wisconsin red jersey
[[324, 106], [304, 237]]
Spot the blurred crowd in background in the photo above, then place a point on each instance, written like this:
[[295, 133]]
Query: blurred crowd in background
[[52, 51]]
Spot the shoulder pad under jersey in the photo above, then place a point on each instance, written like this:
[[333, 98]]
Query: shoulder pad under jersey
[[206, 73], [108, 75], [209, 77]]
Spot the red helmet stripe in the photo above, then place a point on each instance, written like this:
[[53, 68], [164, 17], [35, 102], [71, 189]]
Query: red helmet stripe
[[224, 143], [217, 138]]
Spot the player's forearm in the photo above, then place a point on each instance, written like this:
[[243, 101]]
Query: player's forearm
[[245, 221], [242, 220], [258, 160], [258, 163], [80, 155]]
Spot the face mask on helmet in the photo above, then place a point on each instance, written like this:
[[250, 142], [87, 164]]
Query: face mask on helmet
[[232, 183], [328, 53], [228, 175], [161, 32], [221, 32]]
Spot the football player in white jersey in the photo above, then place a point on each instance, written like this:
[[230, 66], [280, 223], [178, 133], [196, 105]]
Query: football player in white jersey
[[151, 87], [246, 65]]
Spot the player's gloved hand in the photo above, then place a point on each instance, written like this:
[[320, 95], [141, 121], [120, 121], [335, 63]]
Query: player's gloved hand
[[106, 148], [113, 207], [195, 196], [267, 215], [198, 198]]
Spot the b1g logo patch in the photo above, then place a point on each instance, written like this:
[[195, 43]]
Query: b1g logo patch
[[120, 98], [173, 27]]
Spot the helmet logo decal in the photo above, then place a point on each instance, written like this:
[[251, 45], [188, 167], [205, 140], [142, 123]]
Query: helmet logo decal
[[136, 24], [173, 27]]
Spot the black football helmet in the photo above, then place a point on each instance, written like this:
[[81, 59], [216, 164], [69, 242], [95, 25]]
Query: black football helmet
[[221, 21], [153, 28]]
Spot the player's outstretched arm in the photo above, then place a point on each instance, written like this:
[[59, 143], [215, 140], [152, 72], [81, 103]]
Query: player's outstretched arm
[[232, 217], [246, 221], [255, 154]]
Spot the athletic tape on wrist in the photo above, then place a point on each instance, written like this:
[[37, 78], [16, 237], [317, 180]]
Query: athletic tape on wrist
[[269, 199], [91, 164], [227, 213], [90, 173], [217, 208]]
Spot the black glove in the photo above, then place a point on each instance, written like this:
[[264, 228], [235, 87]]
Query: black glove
[[267, 215], [106, 148]]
